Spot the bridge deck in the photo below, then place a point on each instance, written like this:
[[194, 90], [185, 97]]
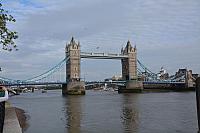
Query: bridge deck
[[92, 82]]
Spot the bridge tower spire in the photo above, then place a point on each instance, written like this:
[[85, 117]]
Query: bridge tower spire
[[74, 85]]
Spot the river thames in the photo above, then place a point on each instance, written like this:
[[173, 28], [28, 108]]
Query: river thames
[[108, 111]]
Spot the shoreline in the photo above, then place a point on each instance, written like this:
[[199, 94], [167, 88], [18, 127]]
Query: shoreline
[[22, 118]]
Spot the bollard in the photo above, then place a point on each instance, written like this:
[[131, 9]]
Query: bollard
[[198, 101]]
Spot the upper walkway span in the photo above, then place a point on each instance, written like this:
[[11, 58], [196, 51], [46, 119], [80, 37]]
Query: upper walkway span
[[102, 55]]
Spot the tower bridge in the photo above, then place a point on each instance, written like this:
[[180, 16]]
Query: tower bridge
[[128, 57], [132, 70]]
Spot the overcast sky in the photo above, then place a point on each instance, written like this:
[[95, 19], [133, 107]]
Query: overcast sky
[[166, 32]]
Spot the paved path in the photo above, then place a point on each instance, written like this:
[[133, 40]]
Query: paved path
[[11, 123]]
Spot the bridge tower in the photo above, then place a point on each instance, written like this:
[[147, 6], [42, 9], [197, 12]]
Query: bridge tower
[[74, 85], [73, 61], [129, 65], [129, 70]]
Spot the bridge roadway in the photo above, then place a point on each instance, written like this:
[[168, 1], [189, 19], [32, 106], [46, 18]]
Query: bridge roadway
[[57, 83], [120, 83]]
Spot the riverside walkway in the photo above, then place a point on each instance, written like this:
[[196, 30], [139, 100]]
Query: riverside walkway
[[11, 123]]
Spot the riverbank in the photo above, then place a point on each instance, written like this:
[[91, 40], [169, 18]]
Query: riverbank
[[23, 118], [15, 120]]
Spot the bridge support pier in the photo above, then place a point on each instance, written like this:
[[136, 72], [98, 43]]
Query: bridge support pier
[[132, 86], [73, 88]]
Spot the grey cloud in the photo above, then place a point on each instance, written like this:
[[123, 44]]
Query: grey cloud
[[165, 32]]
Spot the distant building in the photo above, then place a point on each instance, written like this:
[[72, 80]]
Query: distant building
[[117, 77], [195, 76], [114, 78], [108, 79], [184, 72], [181, 72], [184, 75], [163, 75]]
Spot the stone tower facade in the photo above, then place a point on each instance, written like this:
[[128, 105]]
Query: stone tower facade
[[129, 65], [73, 61], [73, 85]]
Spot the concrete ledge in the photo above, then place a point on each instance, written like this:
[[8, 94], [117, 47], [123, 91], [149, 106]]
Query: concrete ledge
[[11, 123]]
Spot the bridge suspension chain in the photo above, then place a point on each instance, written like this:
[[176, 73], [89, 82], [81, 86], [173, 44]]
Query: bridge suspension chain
[[45, 77], [151, 75], [47, 73], [38, 77]]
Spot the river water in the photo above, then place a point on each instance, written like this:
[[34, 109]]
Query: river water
[[108, 111]]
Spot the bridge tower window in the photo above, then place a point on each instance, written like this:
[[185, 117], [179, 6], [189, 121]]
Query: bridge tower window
[[75, 75]]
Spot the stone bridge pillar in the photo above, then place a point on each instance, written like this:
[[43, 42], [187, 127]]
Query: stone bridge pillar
[[74, 86], [129, 70]]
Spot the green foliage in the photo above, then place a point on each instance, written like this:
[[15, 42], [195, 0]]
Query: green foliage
[[7, 36]]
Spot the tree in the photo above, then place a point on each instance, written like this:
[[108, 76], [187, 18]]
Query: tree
[[7, 36]]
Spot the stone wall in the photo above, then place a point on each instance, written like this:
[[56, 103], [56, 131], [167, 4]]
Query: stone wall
[[74, 88]]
